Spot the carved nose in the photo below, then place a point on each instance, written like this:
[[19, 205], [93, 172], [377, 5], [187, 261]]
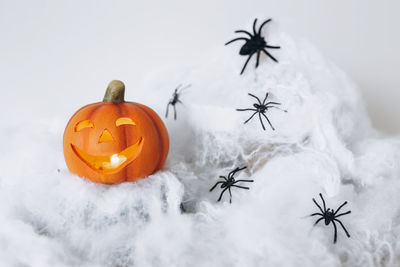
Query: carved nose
[[106, 136]]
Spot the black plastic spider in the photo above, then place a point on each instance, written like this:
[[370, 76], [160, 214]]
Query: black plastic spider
[[256, 44], [175, 99], [261, 108], [329, 215], [229, 182]]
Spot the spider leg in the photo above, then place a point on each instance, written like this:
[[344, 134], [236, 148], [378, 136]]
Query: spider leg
[[184, 88], [262, 25], [223, 178], [273, 47], [318, 221], [344, 203], [245, 32], [212, 188], [248, 181], [344, 228], [268, 54], [245, 109], [232, 173], [243, 187], [315, 214], [259, 102], [258, 58], [323, 201], [245, 64], [254, 26], [177, 88], [179, 101], [166, 114], [318, 205], [265, 99], [236, 39], [230, 195], [273, 103], [272, 127], [240, 169], [174, 112], [335, 237], [284, 110], [250, 117], [262, 124], [223, 191], [347, 212]]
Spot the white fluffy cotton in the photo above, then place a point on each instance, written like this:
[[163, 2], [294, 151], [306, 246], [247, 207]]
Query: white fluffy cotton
[[324, 143]]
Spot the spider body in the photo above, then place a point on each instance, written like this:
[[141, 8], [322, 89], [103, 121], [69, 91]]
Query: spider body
[[252, 45], [230, 182], [255, 44], [175, 99], [261, 109], [330, 216]]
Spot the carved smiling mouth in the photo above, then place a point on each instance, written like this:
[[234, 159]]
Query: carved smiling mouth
[[110, 163]]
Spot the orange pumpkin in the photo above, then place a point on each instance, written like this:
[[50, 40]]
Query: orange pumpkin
[[115, 141]]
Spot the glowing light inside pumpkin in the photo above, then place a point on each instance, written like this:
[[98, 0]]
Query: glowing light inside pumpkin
[[124, 120], [82, 125], [111, 162], [116, 160], [106, 136]]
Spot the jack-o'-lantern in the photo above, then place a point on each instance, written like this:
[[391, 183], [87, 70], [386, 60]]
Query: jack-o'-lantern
[[115, 141]]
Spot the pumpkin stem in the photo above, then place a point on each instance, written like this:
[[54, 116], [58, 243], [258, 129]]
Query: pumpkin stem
[[115, 92]]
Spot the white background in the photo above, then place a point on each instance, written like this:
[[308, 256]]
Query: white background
[[53, 49], [58, 56]]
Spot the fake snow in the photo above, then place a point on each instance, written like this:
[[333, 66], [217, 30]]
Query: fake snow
[[323, 144]]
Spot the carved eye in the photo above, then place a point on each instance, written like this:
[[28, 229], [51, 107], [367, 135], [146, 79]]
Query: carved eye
[[82, 125], [123, 121]]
